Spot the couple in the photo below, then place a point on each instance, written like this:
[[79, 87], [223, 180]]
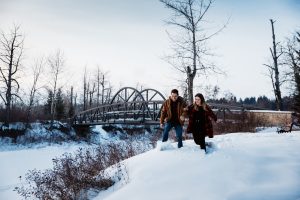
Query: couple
[[175, 110]]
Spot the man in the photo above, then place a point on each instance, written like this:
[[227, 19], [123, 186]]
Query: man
[[172, 115]]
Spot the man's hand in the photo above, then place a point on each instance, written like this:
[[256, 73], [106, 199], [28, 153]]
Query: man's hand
[[219, 121], [161, 125], [182, 118]]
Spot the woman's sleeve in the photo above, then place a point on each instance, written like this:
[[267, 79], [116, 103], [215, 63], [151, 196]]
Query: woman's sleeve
[[211, 114]]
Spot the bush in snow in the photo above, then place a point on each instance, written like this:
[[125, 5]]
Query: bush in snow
[[14, 130], [241, 122], [74, 175], [38, 132]]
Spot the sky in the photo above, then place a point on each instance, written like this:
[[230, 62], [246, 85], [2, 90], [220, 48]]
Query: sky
[[128, 39]]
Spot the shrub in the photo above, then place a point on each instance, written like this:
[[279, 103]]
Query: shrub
[[73, 175], [240, 122]]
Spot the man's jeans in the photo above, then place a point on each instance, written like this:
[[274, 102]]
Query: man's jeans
[[178, 129]]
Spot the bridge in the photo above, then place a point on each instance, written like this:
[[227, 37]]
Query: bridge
[[130, 106], [127, 106]]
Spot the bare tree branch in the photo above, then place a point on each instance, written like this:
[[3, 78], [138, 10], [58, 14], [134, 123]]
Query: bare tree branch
[[190, 46], [11, 51]]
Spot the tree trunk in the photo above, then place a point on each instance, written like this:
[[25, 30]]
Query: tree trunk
[[190, 47], [11, 50], [102, 88], [190, 83], [276, 71]]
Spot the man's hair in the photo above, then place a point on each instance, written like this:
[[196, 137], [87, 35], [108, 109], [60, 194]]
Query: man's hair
[[174, 91]]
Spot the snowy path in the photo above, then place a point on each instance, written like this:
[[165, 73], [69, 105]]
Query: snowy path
[[244, 166]]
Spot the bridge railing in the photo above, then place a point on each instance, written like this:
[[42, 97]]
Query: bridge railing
[[137, 112], [131, 112]]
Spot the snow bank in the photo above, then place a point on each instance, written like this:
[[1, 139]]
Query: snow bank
[[15, 164], [241, 166]]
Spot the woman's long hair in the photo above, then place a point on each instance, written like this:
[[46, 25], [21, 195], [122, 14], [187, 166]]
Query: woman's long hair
[[203, 103]]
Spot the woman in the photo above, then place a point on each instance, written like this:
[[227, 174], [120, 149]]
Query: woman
[[200, 116]]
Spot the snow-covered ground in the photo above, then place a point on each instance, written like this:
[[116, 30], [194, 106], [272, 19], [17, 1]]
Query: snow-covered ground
[[240, 166], [16, 163]]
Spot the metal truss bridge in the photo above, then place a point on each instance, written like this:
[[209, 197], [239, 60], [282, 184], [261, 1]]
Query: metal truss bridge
[[130, 106]]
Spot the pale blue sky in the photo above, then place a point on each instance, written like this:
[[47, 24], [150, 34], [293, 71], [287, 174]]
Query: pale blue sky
[[128, 38]]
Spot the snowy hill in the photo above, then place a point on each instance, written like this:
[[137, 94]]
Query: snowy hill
[[240, 166]]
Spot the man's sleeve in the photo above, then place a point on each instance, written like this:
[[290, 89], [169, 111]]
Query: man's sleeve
[[163, 113]]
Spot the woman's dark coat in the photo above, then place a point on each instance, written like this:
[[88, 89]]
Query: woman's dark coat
[[209, 115]]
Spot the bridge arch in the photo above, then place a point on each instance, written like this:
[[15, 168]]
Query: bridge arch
[[152, 95], [127, 94]]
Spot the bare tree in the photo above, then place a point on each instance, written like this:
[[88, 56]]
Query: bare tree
[[37, 70], [101, 82], [99, 78], [107, 93], [292, 59], [190, 45], [56, 66], [85, 89], [211, 92], [99, 85], [11, 51], [91, 94], [274, 69]]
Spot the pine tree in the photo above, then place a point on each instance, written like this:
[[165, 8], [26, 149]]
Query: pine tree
[[263, 102], [60, 107], [71, 111], [47, 106]]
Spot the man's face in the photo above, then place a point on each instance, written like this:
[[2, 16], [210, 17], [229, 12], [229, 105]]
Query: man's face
[[174, 96]]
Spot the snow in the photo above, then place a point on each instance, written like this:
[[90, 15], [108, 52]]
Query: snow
[[15, 126], [270, 111], [241, 166], [99, 138], [263, 165], [266, 130], [17, 162]]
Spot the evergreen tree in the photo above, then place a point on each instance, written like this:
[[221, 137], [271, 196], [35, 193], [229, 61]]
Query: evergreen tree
[[250, 101], [263, 102], [60, 107], [47, 106], [71, 111]]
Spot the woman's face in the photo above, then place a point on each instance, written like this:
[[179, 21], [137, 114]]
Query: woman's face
[[198, 101]]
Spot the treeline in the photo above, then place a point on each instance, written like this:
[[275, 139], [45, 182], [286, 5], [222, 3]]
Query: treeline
[[51, 97], [261, 102], [65, 108], [41, 90]]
